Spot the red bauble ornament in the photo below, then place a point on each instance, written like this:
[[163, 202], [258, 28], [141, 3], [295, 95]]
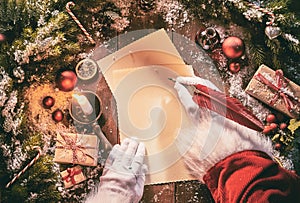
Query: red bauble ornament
[[233, 47], [58, 115], [66, 80], [234, 67], [48, 102], [271, 118]]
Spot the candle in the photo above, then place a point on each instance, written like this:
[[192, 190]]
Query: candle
[[84, 104]]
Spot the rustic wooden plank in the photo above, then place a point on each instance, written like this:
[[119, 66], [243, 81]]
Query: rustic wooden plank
[[109, 118], [192, 191], [159, 193]]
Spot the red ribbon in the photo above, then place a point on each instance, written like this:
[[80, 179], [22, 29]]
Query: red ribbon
[[289, 100], [71, 175], [71, 144]]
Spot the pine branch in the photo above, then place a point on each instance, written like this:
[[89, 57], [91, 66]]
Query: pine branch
[[257, 53], [293, 44], [274, 45]]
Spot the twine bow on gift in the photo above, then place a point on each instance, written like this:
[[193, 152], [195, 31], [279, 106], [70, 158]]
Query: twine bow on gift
[[291, 102], [70, 143], [72, 172]]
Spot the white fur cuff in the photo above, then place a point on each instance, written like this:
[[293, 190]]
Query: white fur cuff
[[214, 139]]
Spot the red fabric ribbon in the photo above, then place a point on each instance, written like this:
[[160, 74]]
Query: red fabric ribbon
[[290, 101], [71, 144], [71, 175]]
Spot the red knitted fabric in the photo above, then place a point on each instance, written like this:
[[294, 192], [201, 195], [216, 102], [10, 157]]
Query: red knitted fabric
[[252, 176]]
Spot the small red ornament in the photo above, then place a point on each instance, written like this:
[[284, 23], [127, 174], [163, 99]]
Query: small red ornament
[[2, 37], [58, 115], [233, 47], [234, 67], [66, 80], [271, 118], [48, 102]]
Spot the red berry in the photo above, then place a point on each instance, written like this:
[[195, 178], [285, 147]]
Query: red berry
[[278, 146], [282, 126], [267, 129], [273, 126], [271, 118], [234, 67]]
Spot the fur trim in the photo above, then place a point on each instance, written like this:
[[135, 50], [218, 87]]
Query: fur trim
[[214, 139]]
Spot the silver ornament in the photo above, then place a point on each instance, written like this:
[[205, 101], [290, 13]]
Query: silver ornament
[[208, 38], [272, 32]]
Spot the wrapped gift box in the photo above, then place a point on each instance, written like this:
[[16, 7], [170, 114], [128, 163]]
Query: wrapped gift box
[[77, 149], [72, 176], [282, 96]]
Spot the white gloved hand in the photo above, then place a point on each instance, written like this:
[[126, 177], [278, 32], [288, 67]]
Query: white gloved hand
[[185, 96], [124, 174], [213, 136]]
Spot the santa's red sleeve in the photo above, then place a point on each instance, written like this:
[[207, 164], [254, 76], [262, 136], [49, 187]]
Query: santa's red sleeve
[[252, 176]]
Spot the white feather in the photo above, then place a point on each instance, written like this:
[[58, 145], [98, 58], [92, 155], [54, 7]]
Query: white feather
[[195, 81]]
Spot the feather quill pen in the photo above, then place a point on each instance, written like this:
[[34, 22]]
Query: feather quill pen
[[226, 106]]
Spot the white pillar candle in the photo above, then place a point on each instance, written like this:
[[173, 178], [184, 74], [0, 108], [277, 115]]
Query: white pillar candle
[[84, 104]]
